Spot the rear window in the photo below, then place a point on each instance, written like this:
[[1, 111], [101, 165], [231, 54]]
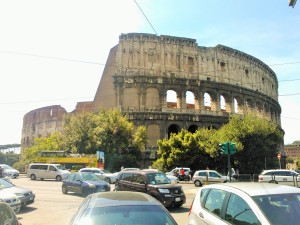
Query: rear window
[[127, 214]]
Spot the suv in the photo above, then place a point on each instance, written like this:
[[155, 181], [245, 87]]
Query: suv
[[282, 176], [154, 183], [208, 176]]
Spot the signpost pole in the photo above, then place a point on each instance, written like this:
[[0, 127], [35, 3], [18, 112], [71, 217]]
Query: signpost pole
[[228, 158]]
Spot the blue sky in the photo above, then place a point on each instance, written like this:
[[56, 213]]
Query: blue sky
[[53, 52]]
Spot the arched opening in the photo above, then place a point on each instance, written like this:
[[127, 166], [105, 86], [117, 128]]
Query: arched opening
[[222, 103], [207, 101], [190, 100], [171, 99], [193, 128], [174, 128]]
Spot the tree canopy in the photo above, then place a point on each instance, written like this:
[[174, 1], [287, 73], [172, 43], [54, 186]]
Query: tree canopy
[[257, 141]]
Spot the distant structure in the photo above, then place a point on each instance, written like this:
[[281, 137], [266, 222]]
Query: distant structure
[[170, 83], [292, 2], [293, 150]]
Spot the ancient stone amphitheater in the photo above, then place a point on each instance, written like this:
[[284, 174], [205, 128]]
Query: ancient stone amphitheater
[[171, 83]]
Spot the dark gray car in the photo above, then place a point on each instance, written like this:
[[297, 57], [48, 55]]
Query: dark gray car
[[122, 208]]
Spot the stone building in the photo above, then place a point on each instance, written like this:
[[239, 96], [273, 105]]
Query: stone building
[[144, 72]]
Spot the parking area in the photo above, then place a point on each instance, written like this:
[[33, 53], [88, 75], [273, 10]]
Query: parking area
[[51, 205]]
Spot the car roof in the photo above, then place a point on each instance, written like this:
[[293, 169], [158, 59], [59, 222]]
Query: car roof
[[265, 171], [256, 188], [106, 199], [140, 171]]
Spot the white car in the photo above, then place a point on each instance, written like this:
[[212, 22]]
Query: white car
[[11, 199], [9, 171], [173, 179], [178, 169], [245, 203], [201, 177], [280, 176], [102, 174]]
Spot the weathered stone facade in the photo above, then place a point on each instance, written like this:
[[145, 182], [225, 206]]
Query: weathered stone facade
[[210, 84]]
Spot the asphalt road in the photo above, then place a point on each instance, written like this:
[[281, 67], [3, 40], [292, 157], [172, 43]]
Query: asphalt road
[[52, 207]]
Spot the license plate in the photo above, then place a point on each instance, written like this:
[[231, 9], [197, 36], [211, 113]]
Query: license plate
[[177, 199]]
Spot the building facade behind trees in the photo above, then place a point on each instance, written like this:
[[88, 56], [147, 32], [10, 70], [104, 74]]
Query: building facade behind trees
[[171, 83]]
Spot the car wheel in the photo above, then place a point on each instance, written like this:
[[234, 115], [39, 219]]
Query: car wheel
[[85, 192], [107, 179], [273, 182], [58, 178], [64, 189], [32, 177], [198, 183]]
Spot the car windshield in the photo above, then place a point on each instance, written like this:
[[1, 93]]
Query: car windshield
[[5, 184], [6, 167], [90, 177], [133, 215], [158, 178], [280, 209], [60, 167]]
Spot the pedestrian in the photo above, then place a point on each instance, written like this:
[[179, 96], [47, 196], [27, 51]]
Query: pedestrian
[[1, 171]]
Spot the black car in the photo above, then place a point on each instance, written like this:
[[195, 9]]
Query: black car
[[154, 183], [84, 183], [122, 208]]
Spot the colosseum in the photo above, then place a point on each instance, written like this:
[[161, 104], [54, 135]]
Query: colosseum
[[171, 83]]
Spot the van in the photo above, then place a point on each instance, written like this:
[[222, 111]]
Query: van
[[47, 171], [154, 183]]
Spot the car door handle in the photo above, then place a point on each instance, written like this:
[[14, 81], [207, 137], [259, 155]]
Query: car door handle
[[201, 215]]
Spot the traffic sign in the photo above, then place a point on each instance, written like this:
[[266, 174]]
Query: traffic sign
[[278, 156]]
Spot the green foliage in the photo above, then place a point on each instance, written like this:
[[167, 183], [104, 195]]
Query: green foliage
[[257, 143], [53, 142], [108, 131]]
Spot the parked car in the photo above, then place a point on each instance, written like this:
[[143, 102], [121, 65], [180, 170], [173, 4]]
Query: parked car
[[245, 203], [154, 183], [173, 179], [134, 208], [177, 170], [84, 183], [9, 171], [201, 177], [7, 215], [26, 195], [280, 176], [102, 174], [47, 171], [11, 199]]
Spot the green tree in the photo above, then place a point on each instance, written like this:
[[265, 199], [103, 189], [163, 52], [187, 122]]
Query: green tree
[[257, 142]]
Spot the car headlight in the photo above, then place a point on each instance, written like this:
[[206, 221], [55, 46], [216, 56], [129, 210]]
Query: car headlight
[[20, 196], [162, 190], [91, 185]]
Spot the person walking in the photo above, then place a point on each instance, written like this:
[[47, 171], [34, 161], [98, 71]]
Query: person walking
[[1, 171]]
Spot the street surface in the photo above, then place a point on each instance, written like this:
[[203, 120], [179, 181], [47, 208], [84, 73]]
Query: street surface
[[52, 207]]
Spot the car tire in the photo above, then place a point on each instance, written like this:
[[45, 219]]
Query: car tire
[[64, 189], [273, 182], [85, 192], [58, 178], [107, 179], [32, 177], [198, 183]]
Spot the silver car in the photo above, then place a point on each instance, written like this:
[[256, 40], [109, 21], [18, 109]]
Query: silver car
[[245, 203], [27, 196], [102, 174], [9, 171], [11, 199], [201, 177]]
